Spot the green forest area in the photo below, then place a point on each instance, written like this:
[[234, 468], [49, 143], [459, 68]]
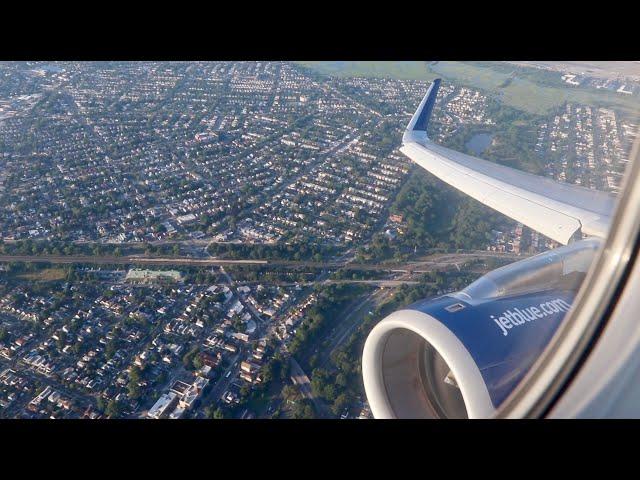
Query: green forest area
[[435, 216]]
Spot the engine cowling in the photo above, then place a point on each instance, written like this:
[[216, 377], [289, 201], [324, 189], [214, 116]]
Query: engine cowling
[[460, 355]]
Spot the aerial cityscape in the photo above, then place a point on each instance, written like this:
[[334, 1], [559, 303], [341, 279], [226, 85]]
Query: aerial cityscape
[[214, 240]]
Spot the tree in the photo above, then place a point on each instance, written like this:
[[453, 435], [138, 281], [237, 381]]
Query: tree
[[197, 362], [313, 360], [187, 359], [340, 403], [134, 374], [341, 380], [113, 409], [218, 414], [110, 349], [289, 393], [133, 390], [329, 392], [245, 390], [100, 405], [303, 409], [62, 337]]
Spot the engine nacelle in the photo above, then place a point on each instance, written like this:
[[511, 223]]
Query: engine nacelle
[[460, 355]]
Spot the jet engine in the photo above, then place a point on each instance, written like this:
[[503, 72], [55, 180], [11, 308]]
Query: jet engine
[[460, 355]]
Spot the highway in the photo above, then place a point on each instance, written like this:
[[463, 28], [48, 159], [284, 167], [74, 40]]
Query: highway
[[350, 322]]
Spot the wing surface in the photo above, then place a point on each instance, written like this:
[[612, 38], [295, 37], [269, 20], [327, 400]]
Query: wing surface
[[555, 209]]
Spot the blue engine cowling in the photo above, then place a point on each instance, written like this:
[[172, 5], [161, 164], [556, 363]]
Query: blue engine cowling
[[460, 355]]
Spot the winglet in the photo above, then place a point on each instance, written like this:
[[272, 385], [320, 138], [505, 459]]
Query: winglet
[[420, 119]]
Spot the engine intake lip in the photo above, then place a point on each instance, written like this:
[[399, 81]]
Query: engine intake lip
[[393, 374]]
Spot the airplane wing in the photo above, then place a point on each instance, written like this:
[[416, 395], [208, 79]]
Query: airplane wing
[[558, 210]]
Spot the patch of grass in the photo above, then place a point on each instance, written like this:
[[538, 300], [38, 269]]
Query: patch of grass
[[516, 92], [45, 275], [405, 70]]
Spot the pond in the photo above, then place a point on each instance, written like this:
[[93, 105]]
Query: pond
[[479, 142]]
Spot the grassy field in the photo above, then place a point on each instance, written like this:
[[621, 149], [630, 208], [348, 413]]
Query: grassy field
[[401, 70], [527, 95], [45, 275], [520, 93]]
